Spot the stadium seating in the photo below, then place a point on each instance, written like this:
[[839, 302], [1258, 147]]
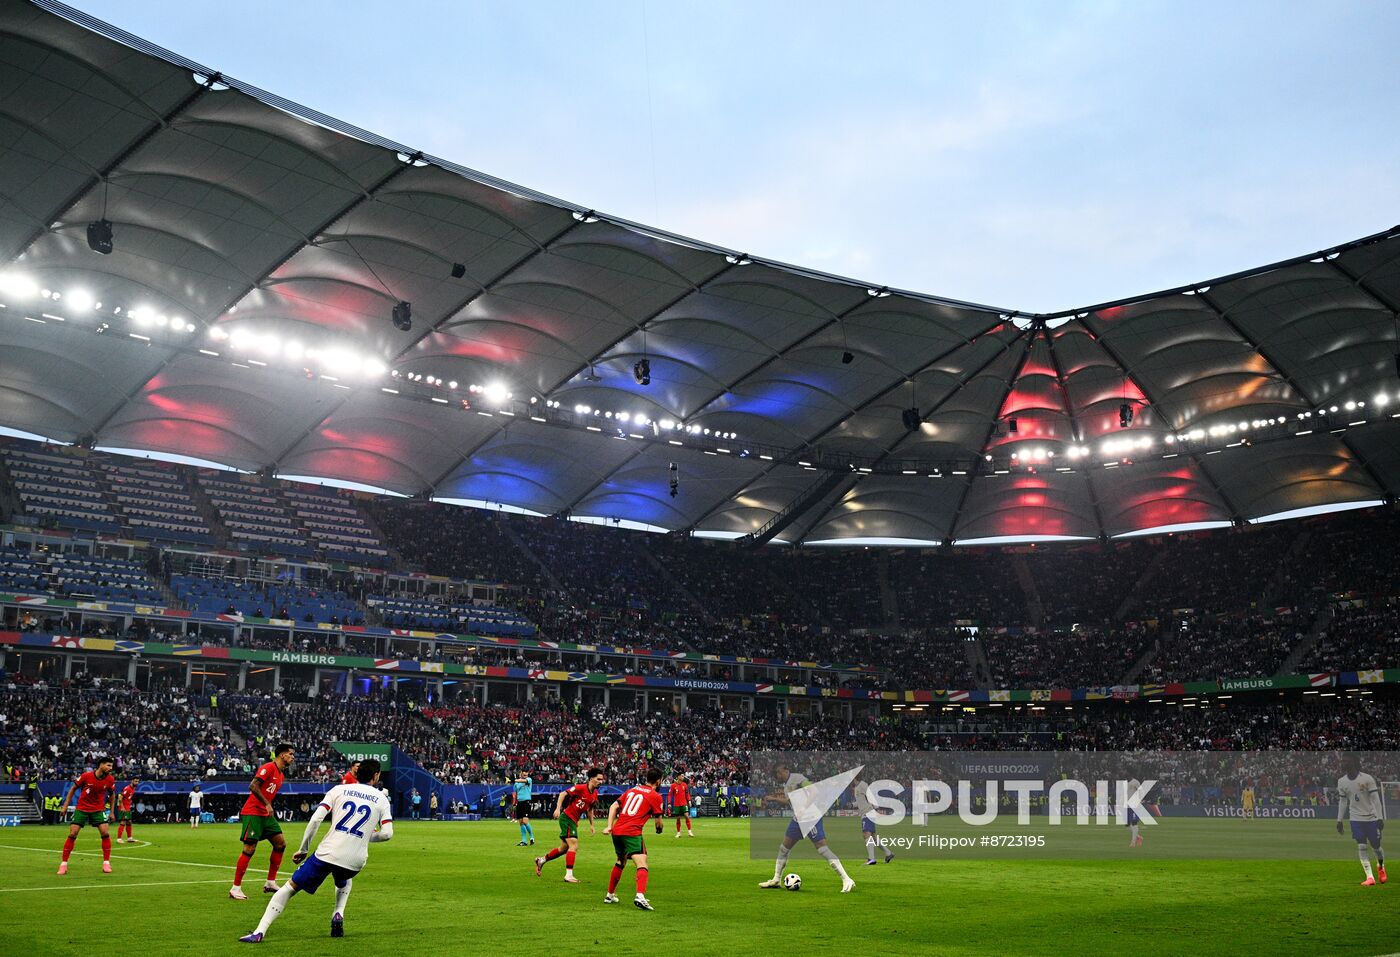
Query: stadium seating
[[255, 517], [155, 502], [58, 732], [399, 611], [19, 573], [466, 543], [77, 576], [285, 600], [601, 567], [60, 489], [335, 524]]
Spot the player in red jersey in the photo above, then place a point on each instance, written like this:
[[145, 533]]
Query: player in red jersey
[[680, 803], [96, 791], [259, 821], [124, 813], [625, 821], [568, 810], [349, 776]]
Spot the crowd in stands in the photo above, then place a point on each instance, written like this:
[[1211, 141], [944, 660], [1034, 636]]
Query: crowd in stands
[[601, 567], [1195, 649], [729, 582], [467, 543], [936, 588], [1086, 584], [1071, 658], [313, 725], [1355, 638], [839, 587], [1354, 722], [1351, 554], [883, 608], [558, 744], [57, 732], [1223, 572]]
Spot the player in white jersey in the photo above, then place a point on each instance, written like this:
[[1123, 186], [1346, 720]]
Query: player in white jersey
[[362, 816], [861, 789], [1134, 822], [816, 833], [196, 806], [1359, 796]]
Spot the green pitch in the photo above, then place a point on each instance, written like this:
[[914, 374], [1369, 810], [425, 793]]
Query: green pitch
[[459, 888]]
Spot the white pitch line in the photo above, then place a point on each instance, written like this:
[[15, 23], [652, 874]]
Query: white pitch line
[[82, 887], [124, 859]]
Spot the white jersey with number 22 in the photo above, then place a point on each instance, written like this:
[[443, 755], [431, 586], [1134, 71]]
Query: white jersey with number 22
[[356, 812]]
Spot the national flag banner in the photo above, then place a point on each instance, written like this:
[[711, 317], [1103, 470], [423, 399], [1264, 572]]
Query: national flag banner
[[999, 694], [210, 651], [129, 646], [66, 641], [578, 676], [617, 679], [763, 688], [31, 600], [186, 650], [1061, 694], [434, 667], [1041, 694], [536, 674], [1370, 676], [959, 695], [1323, 679], [548, 644], [386, 664], [1144, 690], [399, 632], [236, 617], [495, 671]]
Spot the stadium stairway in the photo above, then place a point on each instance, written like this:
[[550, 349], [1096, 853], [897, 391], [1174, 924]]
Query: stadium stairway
[[9, 498], [1139, 666], [210, 514], [1131, 600], [889, 598], [17, 805], [1034, 607], [977, 663], [395, 559], [675, 584], [519, 543], [1269, 597], [1303, 648]]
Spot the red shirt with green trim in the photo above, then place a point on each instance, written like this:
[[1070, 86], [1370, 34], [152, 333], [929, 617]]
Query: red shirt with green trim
[[268, 781], [93, 791], [636, 806], [577, 800]]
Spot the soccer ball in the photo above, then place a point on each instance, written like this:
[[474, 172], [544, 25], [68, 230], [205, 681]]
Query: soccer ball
[[792, 882]]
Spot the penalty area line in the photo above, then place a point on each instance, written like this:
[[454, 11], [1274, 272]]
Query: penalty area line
[[83, 887], [124, 859]]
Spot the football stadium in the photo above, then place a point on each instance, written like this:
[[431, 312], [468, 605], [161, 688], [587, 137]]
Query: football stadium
[[647, 594]]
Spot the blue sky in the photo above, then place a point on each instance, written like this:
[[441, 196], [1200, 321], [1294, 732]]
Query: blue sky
[[1036, 156]]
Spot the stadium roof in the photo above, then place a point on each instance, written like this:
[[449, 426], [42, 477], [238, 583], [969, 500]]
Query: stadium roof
[[260, 247]]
